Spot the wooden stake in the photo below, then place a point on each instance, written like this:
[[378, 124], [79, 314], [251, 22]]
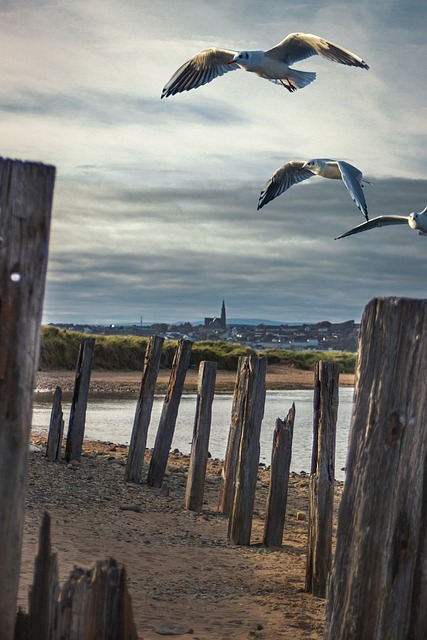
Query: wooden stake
[[201, 433], [56, 427], [378, 584], [138, 442], [76, 425], [26, 191]]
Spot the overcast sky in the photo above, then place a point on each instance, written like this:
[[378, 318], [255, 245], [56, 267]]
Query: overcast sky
[[155, 200]]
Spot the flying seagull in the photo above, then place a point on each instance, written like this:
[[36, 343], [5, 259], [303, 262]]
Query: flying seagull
[[294, 172], [417, 221], [272, 64]]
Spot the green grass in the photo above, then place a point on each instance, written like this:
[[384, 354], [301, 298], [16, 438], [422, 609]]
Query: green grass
[[59, 349]]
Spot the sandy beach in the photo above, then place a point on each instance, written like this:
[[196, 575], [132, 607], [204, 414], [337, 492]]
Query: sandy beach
[[183, 575]]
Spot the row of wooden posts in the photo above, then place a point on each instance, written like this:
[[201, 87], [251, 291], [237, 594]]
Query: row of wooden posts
[[377, 587], [240, 470]]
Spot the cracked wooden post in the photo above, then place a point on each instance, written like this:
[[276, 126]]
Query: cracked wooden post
[[378, 585], [240, 522], [164, 437], [77, 422], [200, 443], [281, 456], [322, 478], [144, 406], [228, 484], [56, 427], [26, 191]]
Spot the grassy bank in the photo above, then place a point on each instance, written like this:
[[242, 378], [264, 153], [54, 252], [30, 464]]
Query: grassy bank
[[59, 349]]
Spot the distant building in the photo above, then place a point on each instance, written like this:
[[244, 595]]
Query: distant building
[[217, 323]]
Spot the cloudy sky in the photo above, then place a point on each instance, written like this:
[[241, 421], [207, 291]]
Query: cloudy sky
[[155, 200]]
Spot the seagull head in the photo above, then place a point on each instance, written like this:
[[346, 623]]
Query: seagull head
[[241, 58]]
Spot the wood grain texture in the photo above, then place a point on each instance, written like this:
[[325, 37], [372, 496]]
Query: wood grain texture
[[26, 192], [378, 586]]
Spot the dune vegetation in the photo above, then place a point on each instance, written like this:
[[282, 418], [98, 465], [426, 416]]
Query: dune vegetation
[[59, 350]]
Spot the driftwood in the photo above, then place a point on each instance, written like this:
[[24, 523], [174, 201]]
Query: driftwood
[[240, 522], [321, 488], [279, 479], [228, 484], [164, 437], [144, 406], [200, 443], [378, 585], [76, 425], [26, 191], [56, 427], [92, 604]]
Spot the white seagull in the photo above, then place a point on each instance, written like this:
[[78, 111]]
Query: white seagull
[[272, 64], [417, 221], [294, 172]]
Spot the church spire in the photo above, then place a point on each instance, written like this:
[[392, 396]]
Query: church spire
[[223, 316]]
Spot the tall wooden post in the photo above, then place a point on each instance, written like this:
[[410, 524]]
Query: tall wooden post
[[164, 437], [26, 191], [378, 585], [76, 425], [201, 433], [240, 523], [321, 488], [144, 407], [226, 494], [281, 456]]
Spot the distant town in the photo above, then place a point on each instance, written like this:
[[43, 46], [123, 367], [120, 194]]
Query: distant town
[[322, 336]]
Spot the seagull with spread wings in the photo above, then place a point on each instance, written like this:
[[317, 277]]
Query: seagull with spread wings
[[273, 64], [294, 172], [417, 221]]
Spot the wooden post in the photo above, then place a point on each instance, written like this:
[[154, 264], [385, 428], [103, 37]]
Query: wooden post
[[226, 494], [240, 523], [76, 425], [279, 480], [201, 433], [93, 604], [321, 487], [26, 191], [164, 437], [378, 585], [56, 427], [144, 407]]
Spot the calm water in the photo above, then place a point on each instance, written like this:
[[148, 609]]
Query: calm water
[[111, 420]]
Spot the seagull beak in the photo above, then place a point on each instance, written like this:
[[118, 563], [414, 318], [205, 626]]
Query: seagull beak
[[232, 61]]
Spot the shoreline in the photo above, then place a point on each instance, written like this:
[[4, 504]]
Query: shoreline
[[279, 377]]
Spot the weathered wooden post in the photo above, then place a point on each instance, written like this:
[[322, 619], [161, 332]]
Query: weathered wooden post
[[93, 604], [201, 433], [378, 584], [144, 407], [26, 191], [226, 494], [56, 427], [164, 437], [240, 523], [76, 425], [279, 480], [321, 488]]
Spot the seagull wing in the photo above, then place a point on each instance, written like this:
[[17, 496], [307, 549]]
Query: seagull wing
[[380, 221], [200, 69], [299, 46], [352, 179], [291, 173]]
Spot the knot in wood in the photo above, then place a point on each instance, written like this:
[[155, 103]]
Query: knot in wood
[[395, 429]]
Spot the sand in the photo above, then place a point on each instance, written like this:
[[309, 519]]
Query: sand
[[182, 571]]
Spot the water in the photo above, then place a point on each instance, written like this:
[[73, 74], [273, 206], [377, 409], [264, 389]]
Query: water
[[111, 420]]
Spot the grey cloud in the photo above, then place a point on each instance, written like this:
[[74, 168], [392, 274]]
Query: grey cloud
[[281, 263]]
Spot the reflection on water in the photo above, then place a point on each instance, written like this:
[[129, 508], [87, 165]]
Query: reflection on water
[[111, 420]]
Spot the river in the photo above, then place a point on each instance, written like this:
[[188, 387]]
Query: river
[[110, 419]]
